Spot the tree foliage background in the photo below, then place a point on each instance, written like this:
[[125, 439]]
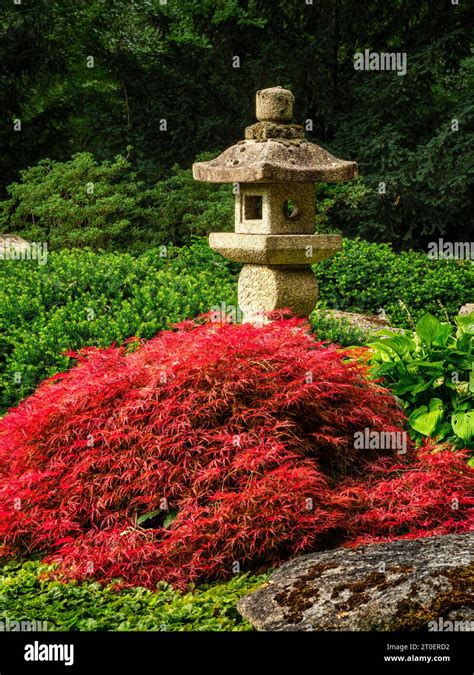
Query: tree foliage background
[[175, 62]]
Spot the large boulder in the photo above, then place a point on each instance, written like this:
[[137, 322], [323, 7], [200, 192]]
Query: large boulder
[[367, 323], [467, 309], [12, 245], [401, 585]]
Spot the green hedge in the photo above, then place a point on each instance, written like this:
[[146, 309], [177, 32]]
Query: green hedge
[[367, 277], [82, 298], [24, 595]]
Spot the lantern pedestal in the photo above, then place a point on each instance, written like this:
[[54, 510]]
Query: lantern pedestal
[[263, 289]]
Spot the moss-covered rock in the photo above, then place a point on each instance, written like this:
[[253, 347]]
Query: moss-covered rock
[[410, 584]]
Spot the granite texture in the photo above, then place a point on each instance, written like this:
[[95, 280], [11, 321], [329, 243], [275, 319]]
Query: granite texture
[[263, 289], [401, 585], [275, 249]]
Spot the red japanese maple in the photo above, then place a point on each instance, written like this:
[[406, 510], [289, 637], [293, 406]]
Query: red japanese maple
[[235, 442]]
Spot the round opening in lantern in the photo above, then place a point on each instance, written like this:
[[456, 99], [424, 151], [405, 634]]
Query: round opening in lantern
[[291, 210]]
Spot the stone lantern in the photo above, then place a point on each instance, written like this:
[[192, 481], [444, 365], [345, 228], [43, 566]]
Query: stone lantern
[[273, 171]]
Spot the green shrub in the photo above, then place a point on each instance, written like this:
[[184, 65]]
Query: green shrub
[[81, 203], [432, 372], [82, 298], [367, 277], [331, 197], [90, 607], [75, 203], [180, 207]]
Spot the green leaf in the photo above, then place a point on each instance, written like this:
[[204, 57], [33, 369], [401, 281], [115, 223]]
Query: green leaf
[[428, 364], [399, 343], [422, 386], [466, 323], [425, 419], [428, 328], [404, 385], [463, 424], [170, 518], [443, 431], [148, 516], [444, 334]]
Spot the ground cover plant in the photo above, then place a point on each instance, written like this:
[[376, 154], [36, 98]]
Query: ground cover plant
[[209, 448], [337, 330], [27, 595]]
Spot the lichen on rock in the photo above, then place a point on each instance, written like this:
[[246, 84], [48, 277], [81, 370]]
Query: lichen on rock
[[401, 585]]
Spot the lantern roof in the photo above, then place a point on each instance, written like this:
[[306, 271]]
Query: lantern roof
[[275, 150]]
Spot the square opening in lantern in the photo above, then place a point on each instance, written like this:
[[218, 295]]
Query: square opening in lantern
[[253, 207]]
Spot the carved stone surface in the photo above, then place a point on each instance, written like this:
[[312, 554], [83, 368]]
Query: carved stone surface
[[292, 250], [265, 130], [274, 104], [263, 289], [273, 161], [286, 208], [274, 170]]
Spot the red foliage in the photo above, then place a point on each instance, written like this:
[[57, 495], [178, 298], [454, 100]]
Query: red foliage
[[247, 433], [433, 495]]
